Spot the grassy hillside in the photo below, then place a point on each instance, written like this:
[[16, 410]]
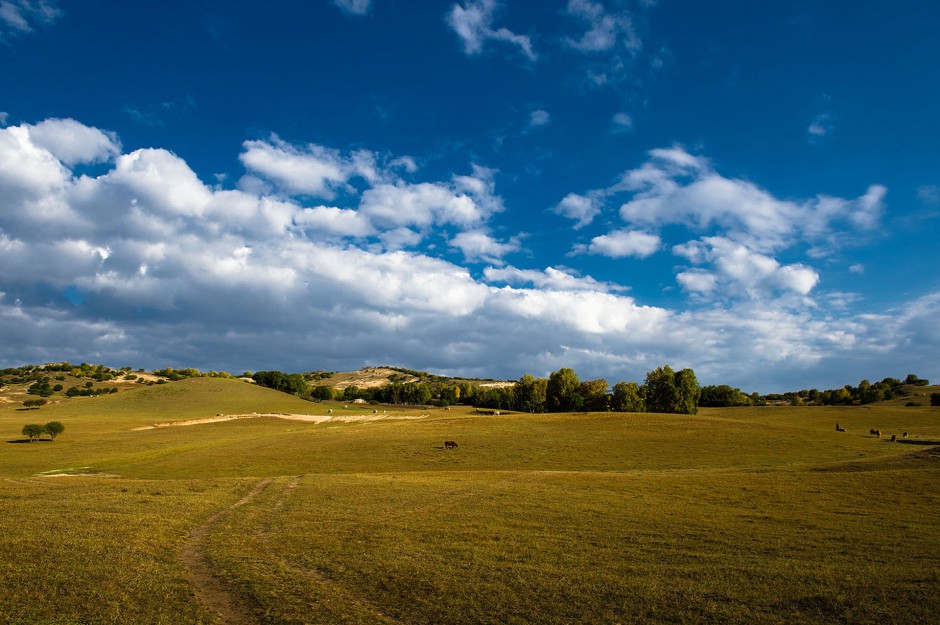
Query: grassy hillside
[[757, 515]]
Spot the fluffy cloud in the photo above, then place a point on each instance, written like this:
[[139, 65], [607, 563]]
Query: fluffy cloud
[[312, 170], [478, 245], [27, 171], [146, 264], [329, 220], [554, 278], [583, 208], [74, 143], [473, 23], [675, 187], [467, 202], [741, 270], [623, 243]]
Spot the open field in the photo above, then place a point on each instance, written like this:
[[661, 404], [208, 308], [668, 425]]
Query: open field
[[745, 515]]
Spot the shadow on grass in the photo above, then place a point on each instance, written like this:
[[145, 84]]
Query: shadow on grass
[[26, 440], [917, 442]]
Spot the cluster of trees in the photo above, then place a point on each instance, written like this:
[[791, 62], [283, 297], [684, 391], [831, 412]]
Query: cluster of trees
[[865, 393], [414, 393], [293, 383], [34, 431], [88, 391], [175, 375], [663, 390], [724, 396], [43, 388]]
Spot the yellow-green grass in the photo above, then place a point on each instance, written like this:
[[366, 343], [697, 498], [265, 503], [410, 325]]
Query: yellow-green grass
[[534, 547], [93, 550], [734, 515]]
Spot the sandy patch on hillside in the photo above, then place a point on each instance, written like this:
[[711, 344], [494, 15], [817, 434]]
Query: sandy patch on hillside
[[280, 415], [78, 475]]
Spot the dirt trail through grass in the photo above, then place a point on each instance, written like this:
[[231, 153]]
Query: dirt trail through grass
[[209, 589], [345, 594]]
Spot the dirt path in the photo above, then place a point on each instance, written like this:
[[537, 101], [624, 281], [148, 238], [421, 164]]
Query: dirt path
[[281, 415], [209, 589], [348, 595]]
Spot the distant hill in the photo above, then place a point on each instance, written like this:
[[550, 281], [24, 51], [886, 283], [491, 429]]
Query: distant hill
[[373, 377], [913, 396]]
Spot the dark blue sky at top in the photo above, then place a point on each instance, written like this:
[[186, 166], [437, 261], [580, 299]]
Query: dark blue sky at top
[[737, 83]]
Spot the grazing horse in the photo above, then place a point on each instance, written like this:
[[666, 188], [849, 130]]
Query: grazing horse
[[894, 437], [450, 445], [875, 433], [904, 435], [330, 411]]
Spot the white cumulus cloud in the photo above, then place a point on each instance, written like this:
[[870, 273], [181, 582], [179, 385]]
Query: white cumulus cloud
[[144, 263], [581, 208], [74, 143], [478, 245], [740, 269], [623, 243], [309, 170]]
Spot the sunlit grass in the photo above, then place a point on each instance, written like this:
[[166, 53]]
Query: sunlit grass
[[749, 515]]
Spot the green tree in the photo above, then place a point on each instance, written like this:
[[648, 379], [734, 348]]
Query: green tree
[[33, 431], [450, 394], [54, 428], [562, 391], [916, 381], [670, 391], [627, 397], [529, 393], [688, 390], [723, 395], [660, 389], [594, 394], [293, 383], [322, 392]]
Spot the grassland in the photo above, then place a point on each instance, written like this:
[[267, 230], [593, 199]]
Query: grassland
[[746, 515]]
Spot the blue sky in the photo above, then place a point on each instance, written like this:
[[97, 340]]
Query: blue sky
[[474, 187]]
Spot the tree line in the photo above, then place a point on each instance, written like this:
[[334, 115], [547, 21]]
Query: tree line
[[663, 390]]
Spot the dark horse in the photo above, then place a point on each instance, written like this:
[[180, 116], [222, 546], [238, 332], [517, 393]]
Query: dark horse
[[450, 445]]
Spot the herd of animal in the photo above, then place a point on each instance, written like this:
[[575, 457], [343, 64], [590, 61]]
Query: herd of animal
[[873, 432]]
